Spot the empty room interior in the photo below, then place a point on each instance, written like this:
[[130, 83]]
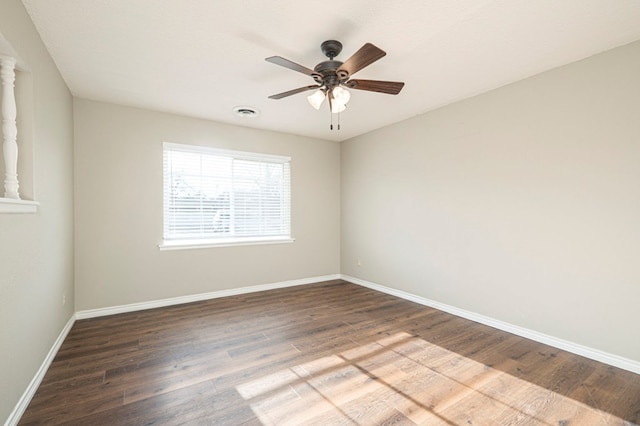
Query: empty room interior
[[364, 212]]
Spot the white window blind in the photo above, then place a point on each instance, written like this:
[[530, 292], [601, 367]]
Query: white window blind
[[220, 196]]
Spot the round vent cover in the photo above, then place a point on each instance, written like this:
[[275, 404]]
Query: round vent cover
[[246, 111]]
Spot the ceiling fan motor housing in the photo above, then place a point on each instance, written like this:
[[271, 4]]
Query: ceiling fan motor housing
[[326, 73], [331, 49]]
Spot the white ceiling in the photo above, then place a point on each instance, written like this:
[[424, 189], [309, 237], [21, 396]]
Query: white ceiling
[[202, 58]]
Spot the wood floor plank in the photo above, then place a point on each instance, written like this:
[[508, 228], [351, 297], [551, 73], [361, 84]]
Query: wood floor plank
[[326, 353]]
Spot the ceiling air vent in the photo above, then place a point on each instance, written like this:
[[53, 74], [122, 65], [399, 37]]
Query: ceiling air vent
[[246, 111]]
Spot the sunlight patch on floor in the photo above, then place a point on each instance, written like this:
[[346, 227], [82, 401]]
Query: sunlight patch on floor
[[406, 379]]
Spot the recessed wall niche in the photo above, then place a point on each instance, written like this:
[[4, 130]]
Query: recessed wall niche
[[23, 98]]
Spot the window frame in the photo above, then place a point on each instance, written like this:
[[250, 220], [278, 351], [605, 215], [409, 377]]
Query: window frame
[[226, 241]]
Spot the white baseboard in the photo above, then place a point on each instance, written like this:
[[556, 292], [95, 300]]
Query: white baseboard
[[112, 310], [585, 351], [25, 399]]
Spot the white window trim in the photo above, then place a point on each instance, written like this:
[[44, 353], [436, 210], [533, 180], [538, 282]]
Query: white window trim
[[245, 155], [186, 244], [228, 242]]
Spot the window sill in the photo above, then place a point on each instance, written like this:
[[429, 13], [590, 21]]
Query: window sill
[[230, 242], [10, 205]]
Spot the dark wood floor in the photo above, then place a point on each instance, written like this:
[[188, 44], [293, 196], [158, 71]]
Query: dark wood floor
[[328, 353]]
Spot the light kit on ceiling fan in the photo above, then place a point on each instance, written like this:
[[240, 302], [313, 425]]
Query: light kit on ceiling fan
[[334, 77], [316, 98], [339, 98]]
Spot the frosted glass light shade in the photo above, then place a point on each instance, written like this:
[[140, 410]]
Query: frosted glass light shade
[[337, 107], [316, 99], [341, 95]]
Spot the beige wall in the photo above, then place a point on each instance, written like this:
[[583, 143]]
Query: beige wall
[[118, 184], [521, 204], [36, 250]]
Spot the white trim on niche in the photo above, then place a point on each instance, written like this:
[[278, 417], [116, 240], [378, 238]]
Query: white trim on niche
[[100, 312], [585, 351], [10, 205], [26, 397]]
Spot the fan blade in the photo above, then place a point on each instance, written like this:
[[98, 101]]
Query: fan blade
[[278, 60], [367, 55], [388, 87], [293, 92]]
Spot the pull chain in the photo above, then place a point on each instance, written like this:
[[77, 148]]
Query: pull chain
[[331, 125]]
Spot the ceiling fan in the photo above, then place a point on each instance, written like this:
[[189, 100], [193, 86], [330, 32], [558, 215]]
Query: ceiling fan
[[332, 77]]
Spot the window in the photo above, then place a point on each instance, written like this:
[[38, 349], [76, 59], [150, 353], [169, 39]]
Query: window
[[222, 197]]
